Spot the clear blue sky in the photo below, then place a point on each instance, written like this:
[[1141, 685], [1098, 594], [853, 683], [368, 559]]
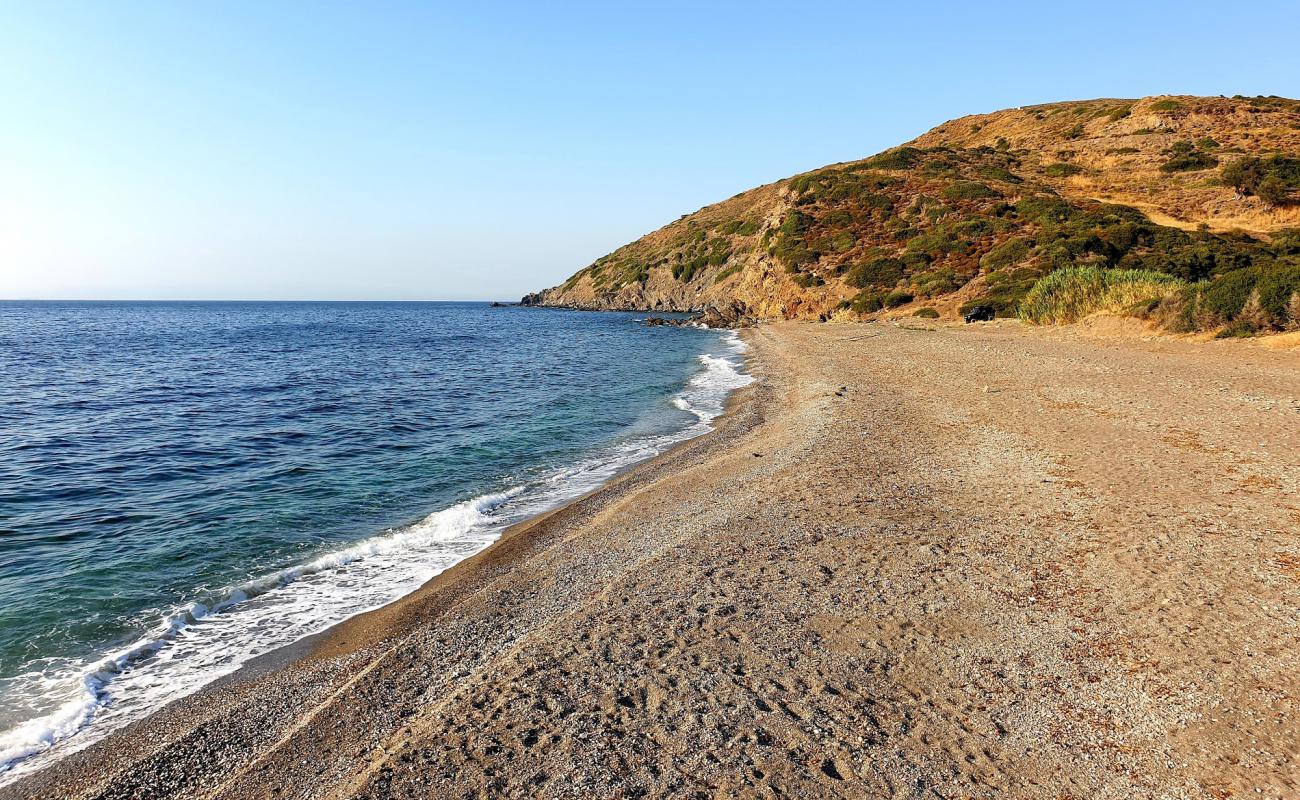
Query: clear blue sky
[[385, 150]]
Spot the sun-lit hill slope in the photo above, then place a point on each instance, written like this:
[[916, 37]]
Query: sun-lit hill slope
[[979, 209], [1122, 151]]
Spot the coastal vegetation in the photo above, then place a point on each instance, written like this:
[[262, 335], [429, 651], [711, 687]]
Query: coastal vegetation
[[1272, 179], [995, 209], [1073, 293]]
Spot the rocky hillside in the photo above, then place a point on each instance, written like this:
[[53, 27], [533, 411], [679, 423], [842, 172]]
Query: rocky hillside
[[978, 210]]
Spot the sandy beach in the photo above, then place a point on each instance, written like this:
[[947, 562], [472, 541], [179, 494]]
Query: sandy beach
[[914, 561]]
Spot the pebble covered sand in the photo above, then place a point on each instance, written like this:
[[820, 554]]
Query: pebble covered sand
[[915, 561]]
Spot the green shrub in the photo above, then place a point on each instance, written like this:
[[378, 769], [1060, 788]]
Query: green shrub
[[896, 299], [727, 273], [685, 270], [1012, 251], [1005, 288], [936, 240], [940, 281], [837, 184], [1238, 329], [941, 166], [1071, 294], [1122, 151], [743, 227], [967, 190], [1276, 290], [719, 252], [867, 301], [926, 313], [992, 172], [878, 272], [1264, 296], [1184, 157], [1272, 190], [898, 158], [1044, 209], [918, 261], [790, 249], [1286, 242], [1223, 298], [1075, 132], [1119, 112], [1166, 105], [1062, 169], [975, 228], [1244, 174]]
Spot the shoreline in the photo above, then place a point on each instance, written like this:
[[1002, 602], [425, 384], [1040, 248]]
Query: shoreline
[[332, 641], [339, 639], [910, 561], [357, 632]]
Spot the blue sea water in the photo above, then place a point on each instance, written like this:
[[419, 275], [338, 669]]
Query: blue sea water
[[185, 486]]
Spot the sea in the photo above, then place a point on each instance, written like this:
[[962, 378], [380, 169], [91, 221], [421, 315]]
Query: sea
[[187, 486]]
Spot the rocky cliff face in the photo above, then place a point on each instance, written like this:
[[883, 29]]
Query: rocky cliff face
[[976, 211]]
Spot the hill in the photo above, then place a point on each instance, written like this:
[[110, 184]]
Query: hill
[[1181, 207]]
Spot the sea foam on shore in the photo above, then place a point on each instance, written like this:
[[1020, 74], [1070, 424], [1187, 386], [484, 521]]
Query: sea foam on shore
[[203, 641]]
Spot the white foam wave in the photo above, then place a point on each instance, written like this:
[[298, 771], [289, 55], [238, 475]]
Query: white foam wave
[[706, 392], [201, 642]]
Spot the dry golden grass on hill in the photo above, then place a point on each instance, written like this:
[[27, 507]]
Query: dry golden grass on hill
[[980, 209], [1121, 144]]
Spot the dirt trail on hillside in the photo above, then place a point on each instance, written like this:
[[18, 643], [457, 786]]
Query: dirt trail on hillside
[[914, 562]]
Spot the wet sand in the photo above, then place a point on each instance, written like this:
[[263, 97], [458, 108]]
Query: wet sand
[[918, 561]]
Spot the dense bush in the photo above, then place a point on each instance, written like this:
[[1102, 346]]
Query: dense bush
[[835, 185], [993, 172], [937, 240], [790, 248], [1274, 176], [745, 227], [867, 301], [686, 269], [1004, 289], [1272, 190], [1071, 294], [1062, 169], [898, 158], [1118, 113], [727, 273], [1012, 251], [882, 272], [1286, 242], [896, 298], [940, 281], [927, 313], [1184, 157], [967, 190], [1261, 297]]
